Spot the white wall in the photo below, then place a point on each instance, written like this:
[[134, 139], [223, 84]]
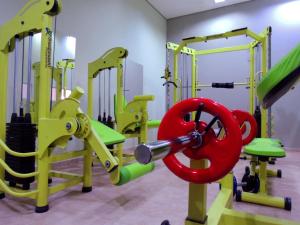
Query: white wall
[[284, 18]]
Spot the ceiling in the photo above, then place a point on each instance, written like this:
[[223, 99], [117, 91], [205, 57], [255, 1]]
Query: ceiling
[[175, 8]]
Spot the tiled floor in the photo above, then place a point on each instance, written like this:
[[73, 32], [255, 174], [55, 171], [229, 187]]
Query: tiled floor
[[146, 201]]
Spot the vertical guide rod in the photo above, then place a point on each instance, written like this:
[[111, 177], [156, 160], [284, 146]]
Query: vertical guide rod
[[16, 57], [53, 61], [29, 73], [269, 67], [22, 77]]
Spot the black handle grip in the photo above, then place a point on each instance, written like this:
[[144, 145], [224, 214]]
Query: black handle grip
[[223, 85]]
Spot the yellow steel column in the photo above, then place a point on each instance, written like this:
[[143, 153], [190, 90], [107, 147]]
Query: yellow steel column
[[263, 177], [252, 85], [144, 126], [3, 103], [119, 109], [197, 199], [175, 96], [36, 69], [264, 133], [120, 90], [44, 111], [88, 157], [194, 75]]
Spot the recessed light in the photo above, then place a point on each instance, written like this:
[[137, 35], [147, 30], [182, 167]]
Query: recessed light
[[219, 1]]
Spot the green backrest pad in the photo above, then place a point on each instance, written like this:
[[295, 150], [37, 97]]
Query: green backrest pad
[[266, 141], [108, 136], [280, 78], [265, 147]]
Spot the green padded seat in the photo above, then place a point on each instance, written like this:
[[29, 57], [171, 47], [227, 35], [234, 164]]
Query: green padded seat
[[108, 136], [266, 141], [280, 79], [265, 150]]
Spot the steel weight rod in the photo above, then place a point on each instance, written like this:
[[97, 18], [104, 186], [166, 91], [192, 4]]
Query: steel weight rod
[[146, 153]]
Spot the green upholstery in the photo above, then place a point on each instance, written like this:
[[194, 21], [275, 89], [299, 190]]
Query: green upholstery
[[108, 136], [280, 78], [266, 141], [153, 123], [134, 171], [266, 150]]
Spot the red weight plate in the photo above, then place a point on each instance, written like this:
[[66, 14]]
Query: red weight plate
[[222, 154], [242, 118]]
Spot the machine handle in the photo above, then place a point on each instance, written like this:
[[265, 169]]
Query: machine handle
[[223, 85]]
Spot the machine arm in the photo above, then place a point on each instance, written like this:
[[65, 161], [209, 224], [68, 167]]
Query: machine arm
[[29, 19]]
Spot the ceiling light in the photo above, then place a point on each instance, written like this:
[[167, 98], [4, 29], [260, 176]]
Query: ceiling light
[[219, 1]]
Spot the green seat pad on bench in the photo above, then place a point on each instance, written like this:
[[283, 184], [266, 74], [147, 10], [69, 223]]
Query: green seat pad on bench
[[266, 141], [108, 136], [280, 78], [266, 150]]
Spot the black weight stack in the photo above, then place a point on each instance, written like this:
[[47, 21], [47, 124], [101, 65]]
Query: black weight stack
[[20, 137]]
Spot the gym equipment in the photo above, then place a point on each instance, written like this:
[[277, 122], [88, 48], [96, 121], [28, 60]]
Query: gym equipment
[[259, 40], [56, 124], [21, 132], [59, 74], [243, 118], [254, 181], [274, 85], [256, 189], [280, 79], [65, 65], [197, 141], [131, 119], [167, 77]]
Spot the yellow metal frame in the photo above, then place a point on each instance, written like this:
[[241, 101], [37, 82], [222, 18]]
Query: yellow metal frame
[[65, 64], [261, 38], [56, 126], [132, 118], [221, 211], [57, 76], [262, 197]]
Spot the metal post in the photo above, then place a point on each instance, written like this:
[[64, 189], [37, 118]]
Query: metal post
[[269, 67], [197, 198], [44, 111], [16, 59], [175, 95], [29, 67], [252, 81]]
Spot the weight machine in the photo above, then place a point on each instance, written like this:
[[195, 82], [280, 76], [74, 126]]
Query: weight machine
[[131, 119], [262, 39], [259, 47], [54, 122], [198, 141], [66, 65], [59, 74]]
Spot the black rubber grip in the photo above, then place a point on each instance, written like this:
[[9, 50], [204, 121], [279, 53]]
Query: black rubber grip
[[223, 85], [189, 38], [240, 29]]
